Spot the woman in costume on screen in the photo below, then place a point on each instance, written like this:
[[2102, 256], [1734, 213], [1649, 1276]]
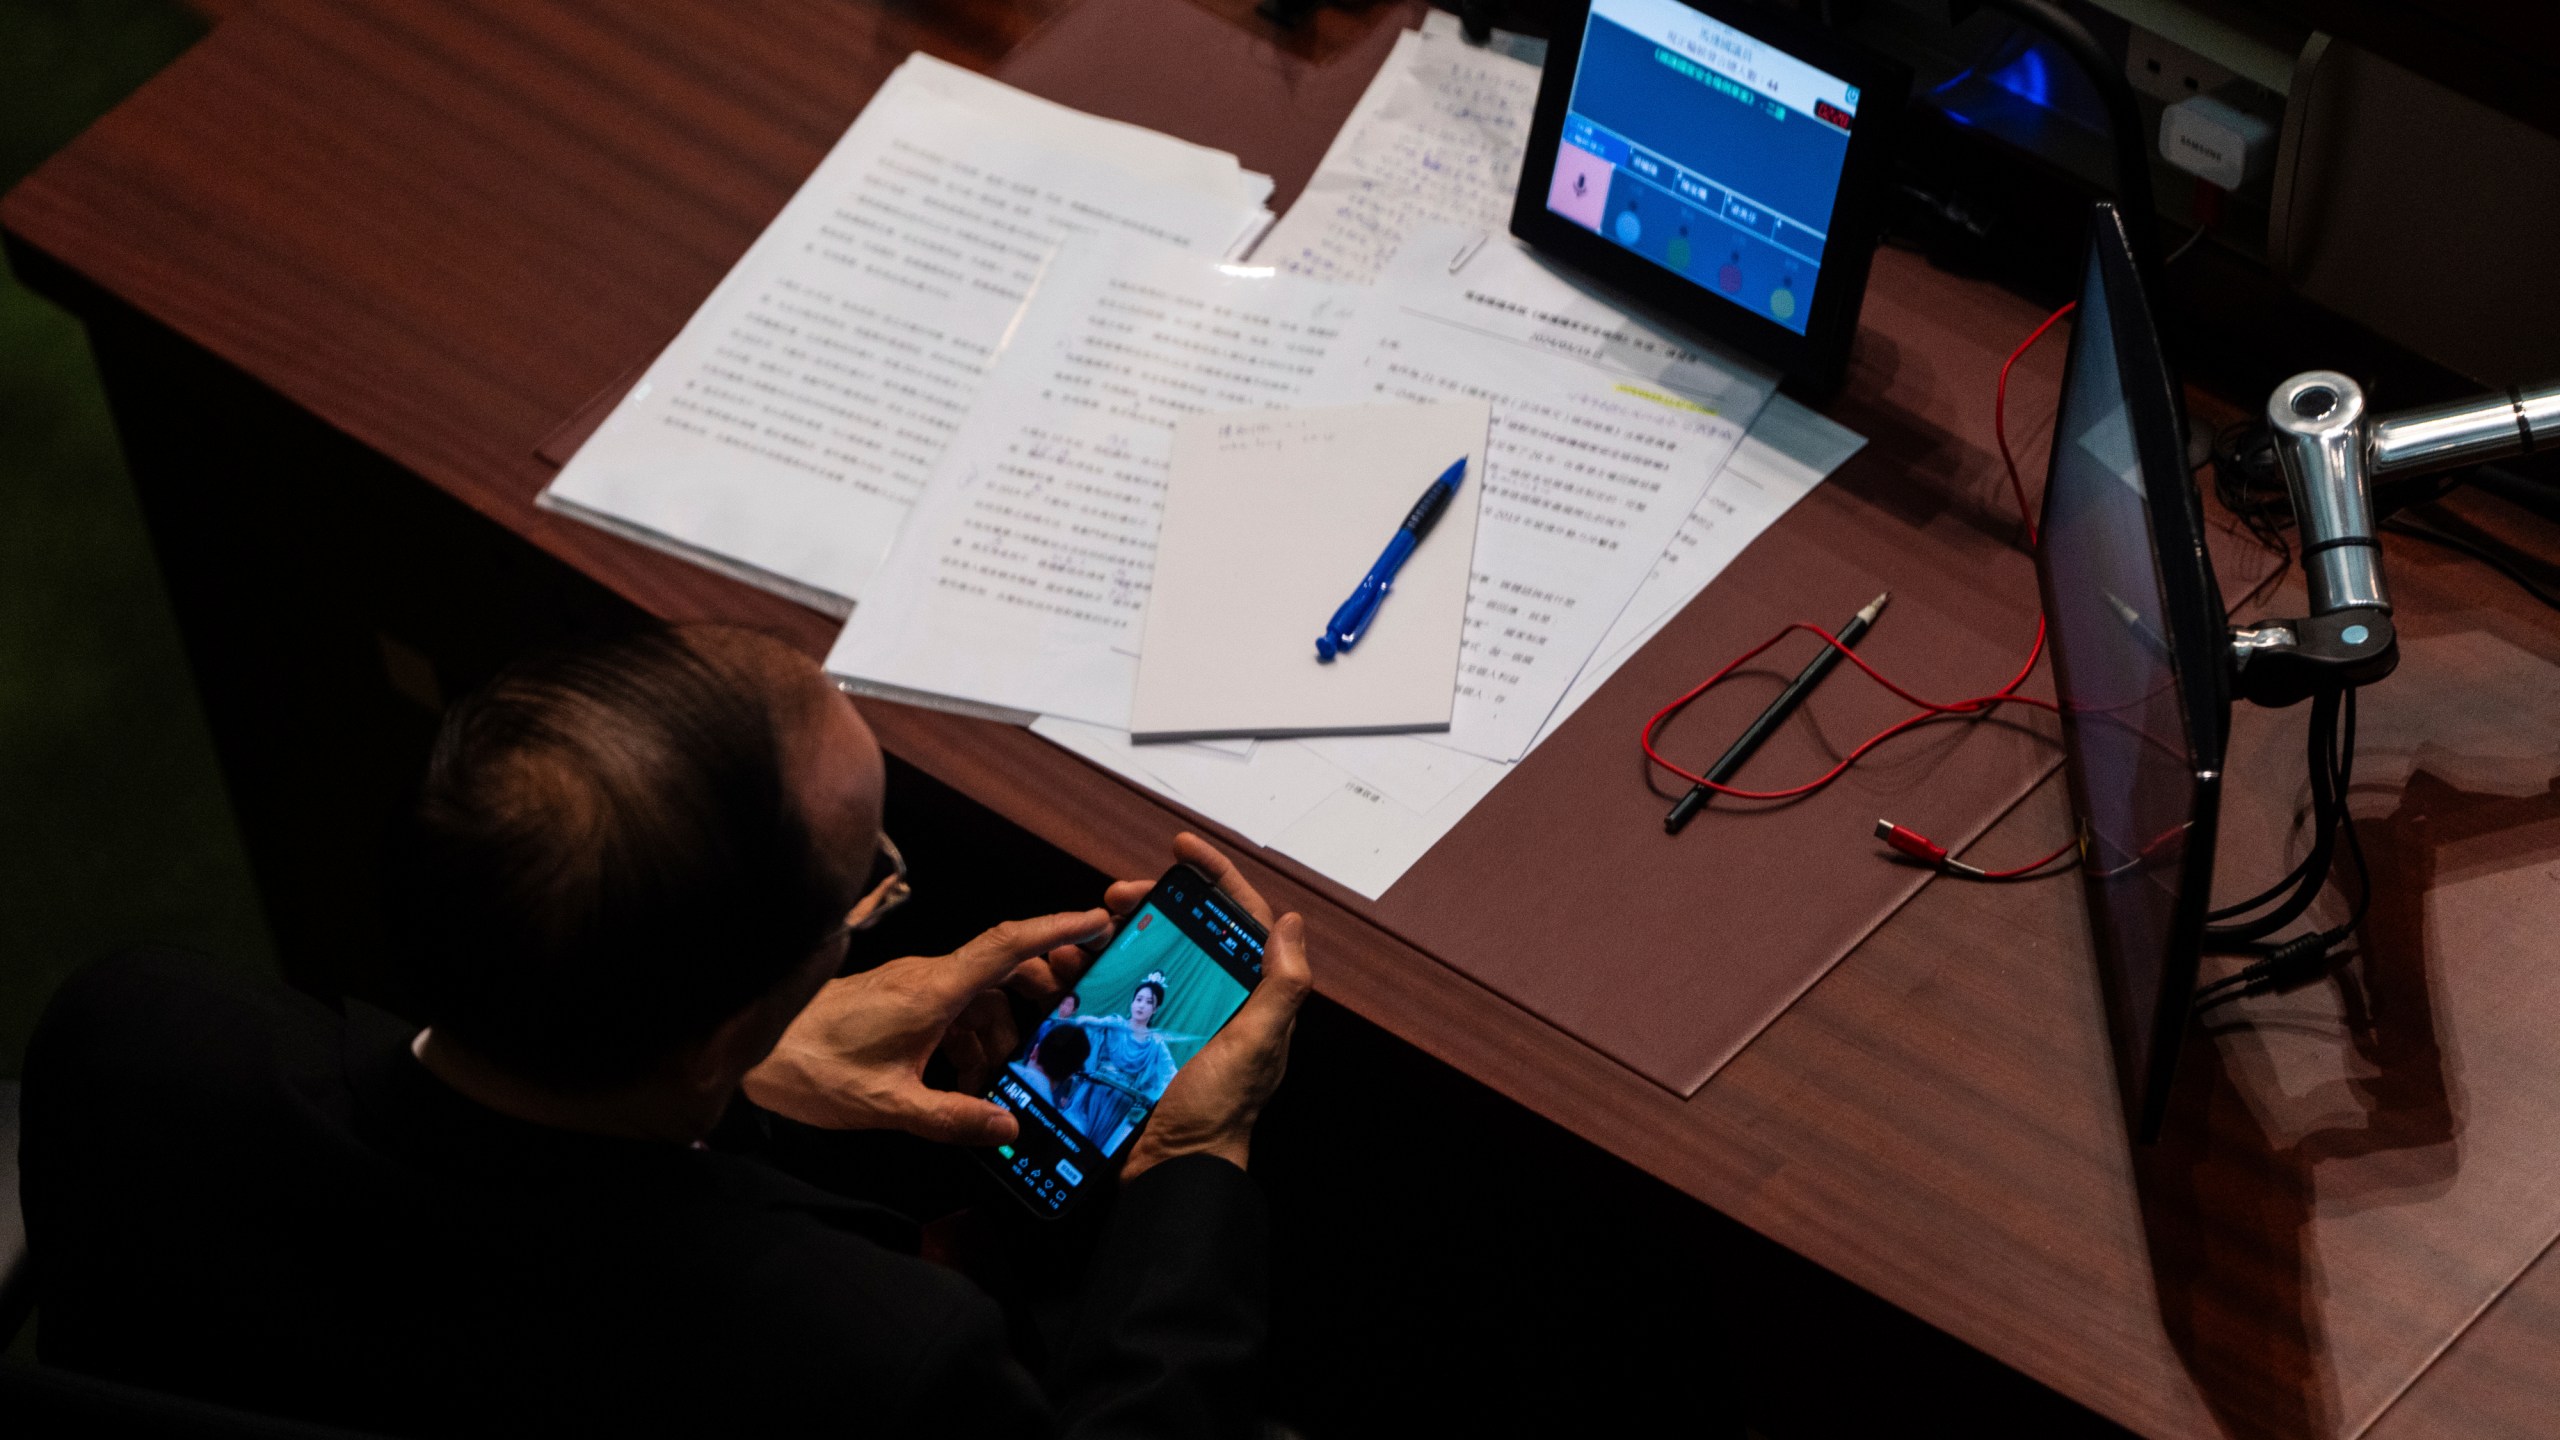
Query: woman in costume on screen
[[1128, 1069]]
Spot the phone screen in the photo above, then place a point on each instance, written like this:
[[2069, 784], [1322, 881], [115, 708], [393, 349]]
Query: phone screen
[[1092, 1070]]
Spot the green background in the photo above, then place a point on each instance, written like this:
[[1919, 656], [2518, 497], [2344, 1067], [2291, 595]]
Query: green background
[[114, 826]]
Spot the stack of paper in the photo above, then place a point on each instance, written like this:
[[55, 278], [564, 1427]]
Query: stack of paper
[[950, 378], [1606, 497], [1440, 137], [1361, 810], [1017, 587], [1607, 433], [1018, 584], [789, 429]]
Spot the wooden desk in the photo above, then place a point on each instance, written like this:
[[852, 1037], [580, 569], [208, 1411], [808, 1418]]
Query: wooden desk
[[429, 233]]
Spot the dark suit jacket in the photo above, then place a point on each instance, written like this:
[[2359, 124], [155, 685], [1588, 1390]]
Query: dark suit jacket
[[233, 1192]]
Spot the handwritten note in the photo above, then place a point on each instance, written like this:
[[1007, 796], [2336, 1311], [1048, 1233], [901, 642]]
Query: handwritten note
[[1438, 136]]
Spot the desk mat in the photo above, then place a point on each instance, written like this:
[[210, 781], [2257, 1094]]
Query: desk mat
[[1670, 953]]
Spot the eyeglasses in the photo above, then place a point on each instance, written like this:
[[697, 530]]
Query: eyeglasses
[[887, 891]]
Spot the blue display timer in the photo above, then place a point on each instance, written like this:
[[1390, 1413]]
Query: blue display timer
[[1710, 153]]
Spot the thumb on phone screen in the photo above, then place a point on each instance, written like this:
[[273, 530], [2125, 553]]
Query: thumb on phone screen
[[1211, 1106]]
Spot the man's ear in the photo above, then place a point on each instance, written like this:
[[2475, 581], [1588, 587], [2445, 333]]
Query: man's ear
[[712, 1063], [738, 1044]]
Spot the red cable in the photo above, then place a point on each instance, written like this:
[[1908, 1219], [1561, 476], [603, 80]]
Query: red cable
[[1917, 846], [1934, 855], [2000, 417], [1929, 710], [2027, 872]]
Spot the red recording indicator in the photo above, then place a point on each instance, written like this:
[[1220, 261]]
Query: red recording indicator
[[1830, 114]]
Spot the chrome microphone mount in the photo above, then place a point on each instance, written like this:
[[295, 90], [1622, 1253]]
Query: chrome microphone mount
[[2332, 452]]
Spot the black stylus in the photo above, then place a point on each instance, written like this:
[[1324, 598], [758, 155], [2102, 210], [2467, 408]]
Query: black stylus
[[1771, 718]]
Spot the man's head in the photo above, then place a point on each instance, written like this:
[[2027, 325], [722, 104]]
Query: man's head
[[1061, 1055], [619, 850]]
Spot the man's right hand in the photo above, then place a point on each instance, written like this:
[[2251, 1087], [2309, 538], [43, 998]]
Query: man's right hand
[[854, 1058], [1211, 1106]]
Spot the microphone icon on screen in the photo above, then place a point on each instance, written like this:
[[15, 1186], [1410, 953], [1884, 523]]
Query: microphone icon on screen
[[1581, 183]]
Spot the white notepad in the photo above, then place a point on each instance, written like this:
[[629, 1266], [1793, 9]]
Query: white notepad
[[1271, 518]]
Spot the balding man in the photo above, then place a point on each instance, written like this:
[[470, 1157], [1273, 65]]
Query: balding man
[[627, 893]]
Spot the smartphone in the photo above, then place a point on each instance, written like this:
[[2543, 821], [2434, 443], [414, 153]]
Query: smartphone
[[1092, 1069]]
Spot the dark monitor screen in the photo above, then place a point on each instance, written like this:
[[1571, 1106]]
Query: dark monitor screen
[[2138, 633]]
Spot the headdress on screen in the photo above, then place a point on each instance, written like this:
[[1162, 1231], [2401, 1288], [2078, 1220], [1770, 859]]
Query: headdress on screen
[[1155, 981]]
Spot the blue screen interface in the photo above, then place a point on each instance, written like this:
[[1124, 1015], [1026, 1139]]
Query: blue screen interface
[[1707, 151]]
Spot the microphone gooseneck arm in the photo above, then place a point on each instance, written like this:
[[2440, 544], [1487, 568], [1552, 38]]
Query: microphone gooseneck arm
[[2331, 450]]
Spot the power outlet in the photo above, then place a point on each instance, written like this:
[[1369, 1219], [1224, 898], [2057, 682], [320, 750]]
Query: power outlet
[[2168, 71]]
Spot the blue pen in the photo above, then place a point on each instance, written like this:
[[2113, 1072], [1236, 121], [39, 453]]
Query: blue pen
[[1352, 621]]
